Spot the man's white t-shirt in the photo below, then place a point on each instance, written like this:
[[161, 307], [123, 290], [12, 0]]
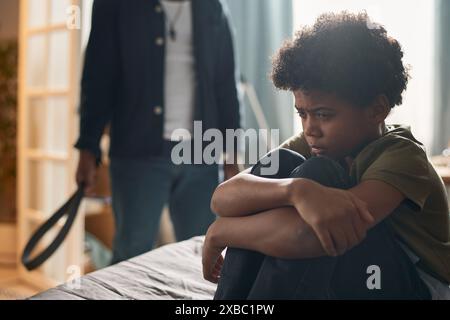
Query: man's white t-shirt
[[179, 78]]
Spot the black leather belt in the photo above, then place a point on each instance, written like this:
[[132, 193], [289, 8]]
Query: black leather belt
[[69, 209]]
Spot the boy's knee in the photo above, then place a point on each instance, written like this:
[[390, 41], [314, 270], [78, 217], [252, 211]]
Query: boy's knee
[[323, 170], [278, 164]]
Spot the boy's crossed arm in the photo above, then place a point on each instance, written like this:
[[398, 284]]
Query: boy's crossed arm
[[279, 232], [297, 218]]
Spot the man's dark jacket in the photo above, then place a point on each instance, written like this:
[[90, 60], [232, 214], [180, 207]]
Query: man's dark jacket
[[123, 77]]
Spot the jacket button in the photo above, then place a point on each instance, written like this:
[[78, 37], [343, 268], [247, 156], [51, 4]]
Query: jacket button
[[158, 9], [158, 110], [159, 41]]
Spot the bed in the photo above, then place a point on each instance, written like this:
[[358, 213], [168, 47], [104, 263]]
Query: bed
[[172, 272]]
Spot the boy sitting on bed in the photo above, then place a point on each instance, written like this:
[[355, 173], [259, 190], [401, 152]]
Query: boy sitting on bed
[[356, 210]]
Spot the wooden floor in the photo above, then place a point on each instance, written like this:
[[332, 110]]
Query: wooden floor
[[12, 288]]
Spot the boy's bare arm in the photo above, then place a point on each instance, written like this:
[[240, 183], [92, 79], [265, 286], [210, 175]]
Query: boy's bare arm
[[284, 233], [339, 218], [246, 194], [278, 232], [381, 198]]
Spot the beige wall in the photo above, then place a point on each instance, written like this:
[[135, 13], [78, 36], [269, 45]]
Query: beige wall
[[9, 19]]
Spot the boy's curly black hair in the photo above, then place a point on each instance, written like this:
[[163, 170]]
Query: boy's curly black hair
[[345, 54]]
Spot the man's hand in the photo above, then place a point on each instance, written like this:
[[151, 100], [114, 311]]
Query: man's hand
[[338, 217], [212, 259], [86, 172], [230, 170]]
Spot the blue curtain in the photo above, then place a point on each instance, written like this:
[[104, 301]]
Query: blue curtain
[[260, 28], [442, 78]]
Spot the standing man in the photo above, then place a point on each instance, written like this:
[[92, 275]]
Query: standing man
[[152, 67]]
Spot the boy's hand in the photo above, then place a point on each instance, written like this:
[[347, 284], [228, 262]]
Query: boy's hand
[[212, 259], [339, 219]]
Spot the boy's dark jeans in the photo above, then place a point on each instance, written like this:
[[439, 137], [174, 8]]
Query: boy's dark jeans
[[252, 275]]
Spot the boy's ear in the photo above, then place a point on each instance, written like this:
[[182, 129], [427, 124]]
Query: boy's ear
[[379, 109]]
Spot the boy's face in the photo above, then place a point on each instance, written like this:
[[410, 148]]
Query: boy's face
[[332, 126]]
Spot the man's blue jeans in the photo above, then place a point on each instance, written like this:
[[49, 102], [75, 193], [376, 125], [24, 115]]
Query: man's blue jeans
[[141, 188]]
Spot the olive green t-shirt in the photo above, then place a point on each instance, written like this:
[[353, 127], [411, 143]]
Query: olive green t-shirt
[[422, 220]]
